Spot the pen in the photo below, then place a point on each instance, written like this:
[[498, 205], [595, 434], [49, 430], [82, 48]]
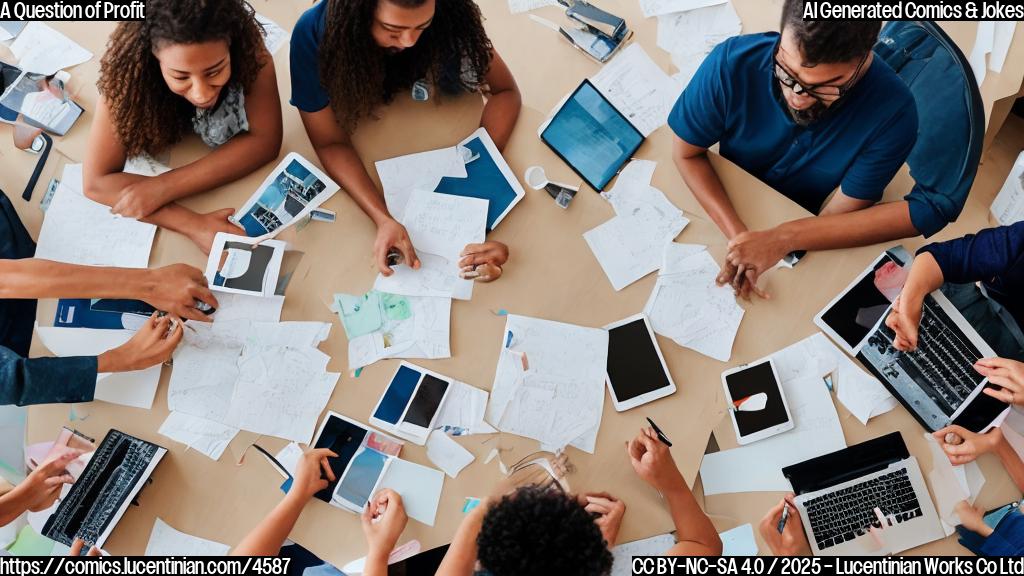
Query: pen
[[782, 521], [661, 435]]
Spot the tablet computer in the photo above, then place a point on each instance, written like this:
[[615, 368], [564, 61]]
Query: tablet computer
[[637, 373], [411, 403], [851, 317], [592, 136], [745, 382]]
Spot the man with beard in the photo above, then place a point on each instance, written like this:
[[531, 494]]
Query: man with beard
[[812, 113], [349, 57]]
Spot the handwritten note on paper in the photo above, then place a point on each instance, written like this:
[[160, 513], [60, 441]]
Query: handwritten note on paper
[[77, 230], [690, 36], [520, 6], [637, 87], [166, 541], [1008, 207], [659, 7], [440, 226], [205, 370], [206, 436], [447, 454], [41, 49], [425, 334], [146, 165], [402, 175], [463, 411], [275, 35]]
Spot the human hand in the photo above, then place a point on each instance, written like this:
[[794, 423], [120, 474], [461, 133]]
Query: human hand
[[793, 540], [383, 520], [752, 254], [608, 510], [153, 344], [972, 445], [176, 288], [1007, 374], [483, 262], [904, 320], [307, 481], [208, 225], [653, 462], [76, 549], [391, 234], [141, 198], [42, 487], [972, 518]]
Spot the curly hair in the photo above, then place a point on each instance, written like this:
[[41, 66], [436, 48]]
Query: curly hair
[[540, 532], [147, 116], [829, 41], [359, 75]]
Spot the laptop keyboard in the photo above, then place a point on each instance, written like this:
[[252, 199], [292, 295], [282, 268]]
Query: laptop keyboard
[[845, 514]]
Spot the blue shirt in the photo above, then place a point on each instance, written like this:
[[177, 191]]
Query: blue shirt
[[1006, 540], [26, 381], [309, 94], [994, 257], [733, 100]]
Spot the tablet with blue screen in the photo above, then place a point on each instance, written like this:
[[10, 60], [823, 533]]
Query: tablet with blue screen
[[592, 136]]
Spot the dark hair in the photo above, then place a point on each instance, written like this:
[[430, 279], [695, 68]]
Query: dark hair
[[359, 75], [539, 531], [828, 41], [147, 116]]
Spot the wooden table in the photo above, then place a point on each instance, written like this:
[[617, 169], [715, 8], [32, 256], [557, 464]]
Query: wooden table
[[551, 274]]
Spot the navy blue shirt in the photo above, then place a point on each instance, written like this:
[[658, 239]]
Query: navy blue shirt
[[734, 100], [26, 381], [994, 257], [1006, 540]]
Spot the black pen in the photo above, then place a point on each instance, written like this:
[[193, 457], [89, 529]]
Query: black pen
[[661, 435]]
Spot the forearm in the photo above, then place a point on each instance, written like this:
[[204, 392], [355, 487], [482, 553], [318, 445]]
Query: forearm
[[925, 277], [692, 524], [35, 278], [703, 181], [376, 563], [268, 536], [1011, 462], [879, 223], [12, 505], [500, 115], [239, 157], [106, 190], [460, 560], [343, 164]]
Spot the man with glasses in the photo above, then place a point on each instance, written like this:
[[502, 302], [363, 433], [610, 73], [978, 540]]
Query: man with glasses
[[812, 113]]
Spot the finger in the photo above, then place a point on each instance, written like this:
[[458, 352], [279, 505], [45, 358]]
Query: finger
[[997, 362], [323, 453], [94, 551], [1003, 395], [775, 513], [649, 443], [326, 467], [382, 262], [752, 278], [892, 321], [603, 495], [58, 481], [190, 312], [635, 449], [367, 516], [76, 547], [409, 253], [597, 507], [204, 294], [468, 273]]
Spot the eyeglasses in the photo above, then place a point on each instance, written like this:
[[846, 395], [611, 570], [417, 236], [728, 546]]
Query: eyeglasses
[[824, 93]]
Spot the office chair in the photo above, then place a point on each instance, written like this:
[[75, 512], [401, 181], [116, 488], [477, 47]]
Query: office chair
[[951, 119]]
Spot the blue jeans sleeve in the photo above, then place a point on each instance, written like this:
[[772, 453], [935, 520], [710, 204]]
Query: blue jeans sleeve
[[26, 381]]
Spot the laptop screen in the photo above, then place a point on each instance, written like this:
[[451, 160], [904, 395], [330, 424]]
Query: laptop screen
[[846, 464], [593, 138]]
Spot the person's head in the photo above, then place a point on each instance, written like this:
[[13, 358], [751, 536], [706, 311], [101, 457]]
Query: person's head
[[371, 49], [536, 530], [826, 57], [156, 72]]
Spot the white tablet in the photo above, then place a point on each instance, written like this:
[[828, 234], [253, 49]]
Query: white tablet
[[637, 373], [852, 316], [744, 383], [411, 403]]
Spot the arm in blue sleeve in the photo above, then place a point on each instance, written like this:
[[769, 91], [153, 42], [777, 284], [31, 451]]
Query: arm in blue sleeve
[[1008, 538], [698, 116], [25, 381], [979, 257]]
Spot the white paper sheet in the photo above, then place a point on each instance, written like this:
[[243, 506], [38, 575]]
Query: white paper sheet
[[206, 436], [77, 230], [622, 555], [447, 454], [559, 397], [739, 541], [1002, 37], [401, 175], [289, 457], [72, 179], [638, 88], [41, 49], [690, 36], [1008, 207], [166, 541], [136, 389], [419, 486], [520, 6], [205, 370], [949, 484], [145, 165], [758, 467], [687, 306], [424, 335], [244, 307], [659, 7], [463, 411], [630, 245], [984, 41], [440, 226], [276, 36]]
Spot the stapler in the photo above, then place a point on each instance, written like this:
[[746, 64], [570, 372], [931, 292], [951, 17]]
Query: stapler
[[598, 33]]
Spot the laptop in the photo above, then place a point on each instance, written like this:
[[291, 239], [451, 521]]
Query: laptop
[[936, 383], [592, 136], [837, 495]]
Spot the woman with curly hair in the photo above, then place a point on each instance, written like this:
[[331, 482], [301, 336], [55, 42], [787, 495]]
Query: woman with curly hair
[[192, 66], [348, 57]]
